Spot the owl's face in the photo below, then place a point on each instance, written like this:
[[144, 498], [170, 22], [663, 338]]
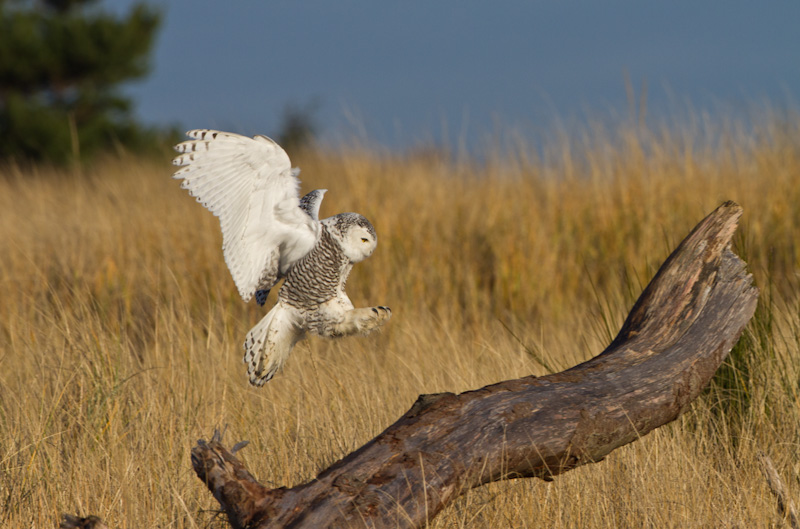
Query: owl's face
[[358, 243], [355, 235]]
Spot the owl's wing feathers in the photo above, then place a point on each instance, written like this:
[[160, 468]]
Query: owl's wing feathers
[[250, 185], [311, 202]]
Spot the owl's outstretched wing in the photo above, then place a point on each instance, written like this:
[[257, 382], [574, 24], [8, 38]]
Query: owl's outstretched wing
[[311, 202], [250, 185]]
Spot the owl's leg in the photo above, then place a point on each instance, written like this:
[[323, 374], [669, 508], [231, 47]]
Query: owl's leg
[[359, 321]]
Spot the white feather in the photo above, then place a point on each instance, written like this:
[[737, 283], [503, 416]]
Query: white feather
[[250, 185], [269, 343]]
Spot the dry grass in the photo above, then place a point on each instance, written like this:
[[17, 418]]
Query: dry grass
[[120, 327]]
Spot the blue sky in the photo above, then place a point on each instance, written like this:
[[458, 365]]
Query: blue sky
[[402, 73]]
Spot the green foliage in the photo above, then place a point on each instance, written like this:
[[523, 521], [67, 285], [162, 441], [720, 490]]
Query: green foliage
[[732, 388], [731, 391], [61, 62]]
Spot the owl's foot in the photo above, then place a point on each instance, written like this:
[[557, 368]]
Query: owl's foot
[[362, 321], [382, 315]]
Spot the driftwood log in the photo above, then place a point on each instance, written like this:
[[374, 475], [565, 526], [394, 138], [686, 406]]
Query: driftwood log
[[674, 339]]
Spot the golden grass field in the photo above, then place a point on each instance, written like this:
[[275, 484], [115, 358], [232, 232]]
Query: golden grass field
[[120, 327]]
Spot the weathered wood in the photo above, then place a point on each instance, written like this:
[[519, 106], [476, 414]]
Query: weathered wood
[[76, 522], [778, 489], [674, 339]]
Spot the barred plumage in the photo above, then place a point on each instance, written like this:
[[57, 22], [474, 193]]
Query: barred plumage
[[269, 233], [315, 278]]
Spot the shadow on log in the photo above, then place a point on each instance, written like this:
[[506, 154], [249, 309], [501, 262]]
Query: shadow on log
[[674, 339]]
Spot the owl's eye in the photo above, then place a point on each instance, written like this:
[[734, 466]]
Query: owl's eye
[[364, 239]]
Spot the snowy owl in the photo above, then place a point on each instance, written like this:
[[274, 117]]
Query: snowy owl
[[269, 234]]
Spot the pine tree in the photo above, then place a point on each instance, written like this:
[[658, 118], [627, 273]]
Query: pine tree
[[61, 63]]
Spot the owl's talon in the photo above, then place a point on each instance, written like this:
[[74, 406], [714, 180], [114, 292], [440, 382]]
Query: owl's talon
[[384, 313]]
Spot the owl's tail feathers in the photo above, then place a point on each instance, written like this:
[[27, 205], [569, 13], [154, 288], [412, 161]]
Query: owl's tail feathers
[[269, 343]]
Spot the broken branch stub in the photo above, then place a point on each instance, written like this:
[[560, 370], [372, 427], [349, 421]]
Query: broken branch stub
[[674, 339]]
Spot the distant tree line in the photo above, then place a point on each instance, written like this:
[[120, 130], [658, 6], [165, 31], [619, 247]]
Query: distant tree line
[[61, 66], [298, 129]]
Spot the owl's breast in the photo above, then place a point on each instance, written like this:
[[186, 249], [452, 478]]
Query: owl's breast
[[318, 277]]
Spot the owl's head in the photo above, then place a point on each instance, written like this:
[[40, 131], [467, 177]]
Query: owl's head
[[355, 235]]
